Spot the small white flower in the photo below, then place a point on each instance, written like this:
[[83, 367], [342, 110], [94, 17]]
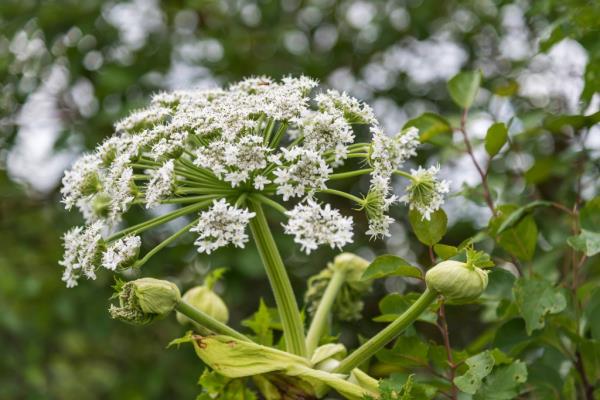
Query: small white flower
[[426, 193], [325, 131], [220, 225], [83, 249], [389, 153], [313, 225], [170, 143], [260, 181], [161, 185], [81, 181], [143, 119], [303, 172], [353, 110], [377, 204], [122, 253]]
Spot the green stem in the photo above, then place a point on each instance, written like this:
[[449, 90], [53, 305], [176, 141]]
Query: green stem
[[269, 202], [404, 174], [293, 331], [348, 196], [388, 334], [208, 322], [350, 174], [134, 230], [164, 244], [319, 321]]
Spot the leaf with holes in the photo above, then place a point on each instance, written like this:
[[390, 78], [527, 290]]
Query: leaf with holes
[[479, 366], [535, 298]]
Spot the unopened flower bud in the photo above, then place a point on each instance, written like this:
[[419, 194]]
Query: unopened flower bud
[[143, 300], [207, 301], [457, 281]]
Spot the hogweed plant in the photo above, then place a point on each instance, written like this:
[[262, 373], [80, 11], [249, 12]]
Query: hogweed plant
[[218, 158]]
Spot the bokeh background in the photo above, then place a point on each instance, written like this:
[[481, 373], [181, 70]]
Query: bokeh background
[[69, 69]]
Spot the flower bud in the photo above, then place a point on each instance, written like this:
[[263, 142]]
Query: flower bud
[[207, 301], [457, 281], [143, 300]]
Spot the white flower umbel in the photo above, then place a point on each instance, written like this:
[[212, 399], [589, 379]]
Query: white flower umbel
[[389, 153], [353, 110], [220, 225], [161, 185], [122, 253], [426, 192], [377, 204], [303, 171], [313, 225], [83, 249]]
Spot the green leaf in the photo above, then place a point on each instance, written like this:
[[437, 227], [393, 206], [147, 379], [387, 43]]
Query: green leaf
[[516, 216], [261, 324], [503, 383], [463, 88], [480, 366], [429, 125], [590, 356], [429, 232], [589, 215], [444, 251], [495, 138], [500, 284], [520, 240], [591, 312], [535, 298], [394, 304], [408, 352], [587, 242], [402, 387], [566, 123], [389, 265]]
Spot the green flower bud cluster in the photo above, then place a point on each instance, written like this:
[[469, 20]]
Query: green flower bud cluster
[[144, 300]]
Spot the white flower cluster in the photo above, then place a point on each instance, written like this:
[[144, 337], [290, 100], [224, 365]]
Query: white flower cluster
[[220, 225], [122, 253], [313, 225], [83, 249], [258, 140], [426, 192]]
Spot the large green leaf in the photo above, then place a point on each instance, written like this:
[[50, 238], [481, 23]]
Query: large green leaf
[[408, 352], [516, 216], [390, 265], [520, 240], [464, 87], [479, 366], [429, 232], [503, 383], [496, 137], [535, 298], [429, 125]]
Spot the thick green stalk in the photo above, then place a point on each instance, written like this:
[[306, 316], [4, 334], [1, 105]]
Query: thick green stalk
[[208, 322], [319, 321], [293, 331], [388, 334]]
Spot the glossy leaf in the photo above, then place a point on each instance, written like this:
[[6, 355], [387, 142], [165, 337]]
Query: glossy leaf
[[429, 125], [496, 137], [431, 231], [463, 88], [390, 265]]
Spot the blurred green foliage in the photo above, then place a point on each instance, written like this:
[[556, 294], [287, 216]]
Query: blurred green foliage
[[61, 344]]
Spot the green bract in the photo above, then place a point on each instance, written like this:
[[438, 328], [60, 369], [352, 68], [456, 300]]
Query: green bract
[[457, 281], [144, 300]]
